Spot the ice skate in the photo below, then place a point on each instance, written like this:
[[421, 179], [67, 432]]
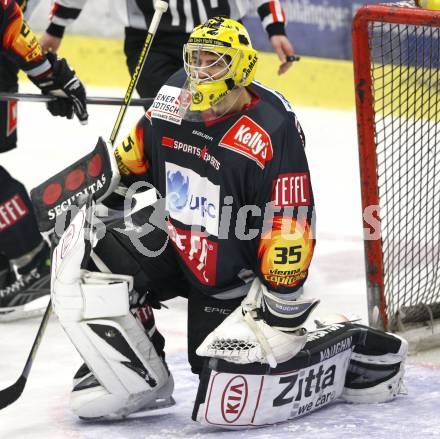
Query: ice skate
[[26, 294]]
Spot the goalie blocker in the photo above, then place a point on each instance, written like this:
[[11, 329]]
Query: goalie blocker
[[345, 360], [94, 174]]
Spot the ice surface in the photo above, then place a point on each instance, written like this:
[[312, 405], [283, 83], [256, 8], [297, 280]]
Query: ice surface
[[47, 144], [42, 410]]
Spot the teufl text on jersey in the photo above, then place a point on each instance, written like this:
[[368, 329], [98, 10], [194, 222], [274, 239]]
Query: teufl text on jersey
[[11, 211], [291, 190]]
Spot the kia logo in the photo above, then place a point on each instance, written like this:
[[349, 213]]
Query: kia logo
[[234, 398]]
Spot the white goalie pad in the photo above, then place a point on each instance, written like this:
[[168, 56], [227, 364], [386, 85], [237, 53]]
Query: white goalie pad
[[242, 400], [78, 294], [93, 309], [124, 361], [345, 361], [386, 374], [243, 337]]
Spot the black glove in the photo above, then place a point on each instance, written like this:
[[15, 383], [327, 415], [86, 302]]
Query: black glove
[[61, 80], [139, 300]]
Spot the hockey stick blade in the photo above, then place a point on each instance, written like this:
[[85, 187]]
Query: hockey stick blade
[[30, 97], [13, 392]]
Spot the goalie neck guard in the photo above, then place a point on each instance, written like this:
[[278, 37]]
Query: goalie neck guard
[[219, 60]]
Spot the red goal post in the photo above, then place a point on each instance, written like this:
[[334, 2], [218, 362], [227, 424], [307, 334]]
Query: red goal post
[[396, 58]]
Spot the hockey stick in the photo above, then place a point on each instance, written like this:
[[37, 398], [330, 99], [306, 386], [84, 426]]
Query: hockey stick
[[13, 392], [160, 8], [30, 97]]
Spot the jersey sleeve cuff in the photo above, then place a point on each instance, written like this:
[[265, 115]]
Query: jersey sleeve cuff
[[275, 29], [56, 30], [40, 70]]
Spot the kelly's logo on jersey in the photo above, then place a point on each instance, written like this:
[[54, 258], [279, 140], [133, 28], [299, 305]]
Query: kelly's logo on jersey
[[249, 139], [290, 190]]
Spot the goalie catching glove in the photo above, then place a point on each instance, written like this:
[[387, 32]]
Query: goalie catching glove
[[264, 329], [61, 81]]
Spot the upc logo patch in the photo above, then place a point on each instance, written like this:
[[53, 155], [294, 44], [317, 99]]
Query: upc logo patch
[[191, 198]]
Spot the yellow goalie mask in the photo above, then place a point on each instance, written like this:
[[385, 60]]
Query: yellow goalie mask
[[218, 59]]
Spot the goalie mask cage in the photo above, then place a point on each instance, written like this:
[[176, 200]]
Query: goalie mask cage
[[396, 57]]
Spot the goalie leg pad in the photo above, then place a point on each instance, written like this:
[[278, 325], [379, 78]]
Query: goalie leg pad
[[127, 374], [93, 310], [376, 377], [251, 395]]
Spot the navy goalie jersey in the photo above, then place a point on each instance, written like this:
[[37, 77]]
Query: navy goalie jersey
[[237, 189]]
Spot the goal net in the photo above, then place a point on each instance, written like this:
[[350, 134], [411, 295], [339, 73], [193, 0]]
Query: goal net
[[396, 56]]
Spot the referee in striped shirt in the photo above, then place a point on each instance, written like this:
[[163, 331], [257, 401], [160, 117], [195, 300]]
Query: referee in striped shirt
[[165, 56]]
